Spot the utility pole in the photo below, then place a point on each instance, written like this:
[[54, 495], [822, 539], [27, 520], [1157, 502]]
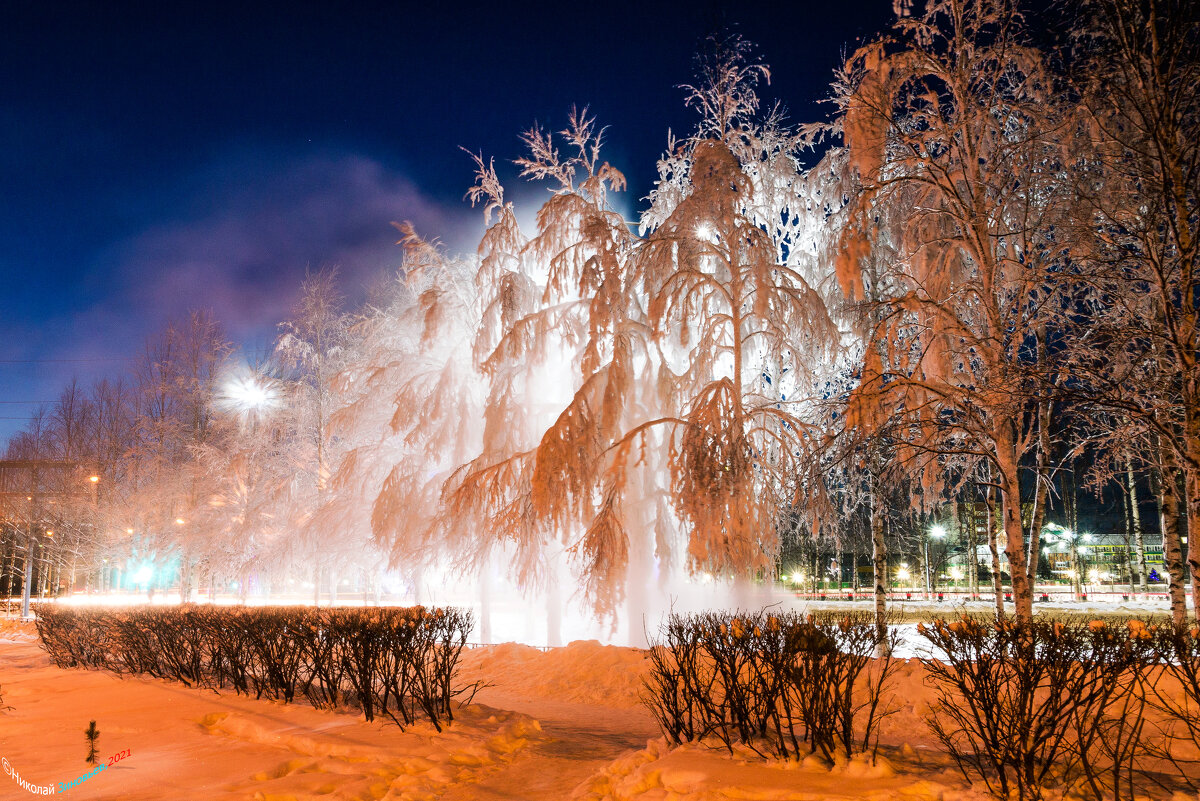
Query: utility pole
[[29, 542]]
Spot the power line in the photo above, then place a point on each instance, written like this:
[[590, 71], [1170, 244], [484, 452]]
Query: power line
[[71, 361]]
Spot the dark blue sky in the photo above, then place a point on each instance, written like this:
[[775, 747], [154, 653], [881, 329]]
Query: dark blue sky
[[158, 157]]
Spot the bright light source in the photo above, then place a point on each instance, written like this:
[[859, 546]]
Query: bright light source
[[937, 531], [93, 479], [143, 574], [248, 394], [128, 531], [956, 573], [705, 231], [902, 574], [179, 521]]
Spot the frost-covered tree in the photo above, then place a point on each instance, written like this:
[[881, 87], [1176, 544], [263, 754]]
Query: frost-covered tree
[[410, 408], [950, 124], [310, 351], [1139, 63], [556, 349], [176, 379]]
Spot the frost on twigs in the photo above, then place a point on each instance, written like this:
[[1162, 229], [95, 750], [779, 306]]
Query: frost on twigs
[[957, 146]]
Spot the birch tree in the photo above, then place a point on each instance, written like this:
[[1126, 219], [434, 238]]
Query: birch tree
[[949, 124]]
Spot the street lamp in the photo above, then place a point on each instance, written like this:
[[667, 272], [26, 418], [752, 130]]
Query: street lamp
[[249, 395], [956, 573], [939, 532]]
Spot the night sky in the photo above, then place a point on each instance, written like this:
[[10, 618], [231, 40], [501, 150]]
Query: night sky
[[160, 157]]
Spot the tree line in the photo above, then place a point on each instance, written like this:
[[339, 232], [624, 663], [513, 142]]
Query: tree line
[[979, 271]]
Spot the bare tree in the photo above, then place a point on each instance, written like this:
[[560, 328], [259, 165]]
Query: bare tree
[[1138, 66]]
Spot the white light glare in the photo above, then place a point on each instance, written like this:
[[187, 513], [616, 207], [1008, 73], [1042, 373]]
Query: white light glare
[[247, 393]]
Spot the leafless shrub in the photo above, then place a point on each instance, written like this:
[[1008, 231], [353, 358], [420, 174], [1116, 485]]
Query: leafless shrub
[[1022, 706], [400, 663], [1178, 651], [783, 683]]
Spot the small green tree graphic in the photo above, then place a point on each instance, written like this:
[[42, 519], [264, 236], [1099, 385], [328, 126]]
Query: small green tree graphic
[[92, 734]]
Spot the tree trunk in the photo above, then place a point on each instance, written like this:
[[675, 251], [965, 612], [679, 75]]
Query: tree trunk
[[28, 583], [879, 563], [973, 552], [185, 580], [1192, 478], [1042, 490], [1167, 489], [1138, 537], [485, 601], [1014, 532], [994, 547], [1130, 560]]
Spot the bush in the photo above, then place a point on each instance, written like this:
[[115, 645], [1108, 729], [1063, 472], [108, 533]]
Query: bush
[[1178, 651], [1021, 706], [399, 663], [772, 680]]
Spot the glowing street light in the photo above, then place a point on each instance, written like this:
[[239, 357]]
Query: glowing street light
[[939, 532], [249, 395], [956, 574]]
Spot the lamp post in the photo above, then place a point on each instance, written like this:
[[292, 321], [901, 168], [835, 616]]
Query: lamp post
[[939, 532]]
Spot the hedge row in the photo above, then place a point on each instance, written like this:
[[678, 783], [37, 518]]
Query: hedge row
[[1092, 709], [1097, 709], [781, 683], [399, 663]]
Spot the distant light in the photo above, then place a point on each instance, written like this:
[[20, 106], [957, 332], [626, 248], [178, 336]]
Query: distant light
[[128, 531], [902, 574], [937, 531], [143, 574], [93, 479], [179, 521], [247, 393]]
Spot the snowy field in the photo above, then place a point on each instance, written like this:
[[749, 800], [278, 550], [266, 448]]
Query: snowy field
[[564, 723]]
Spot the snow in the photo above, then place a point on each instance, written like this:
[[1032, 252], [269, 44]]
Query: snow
[[583, 672], [560, 723]]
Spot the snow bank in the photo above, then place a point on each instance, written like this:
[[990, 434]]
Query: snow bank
[[16, 630], [696, 772], [583, 672], [189, 743]]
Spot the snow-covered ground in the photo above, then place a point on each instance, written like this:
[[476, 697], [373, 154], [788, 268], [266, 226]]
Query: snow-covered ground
[[563, 723], [559, 724]]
